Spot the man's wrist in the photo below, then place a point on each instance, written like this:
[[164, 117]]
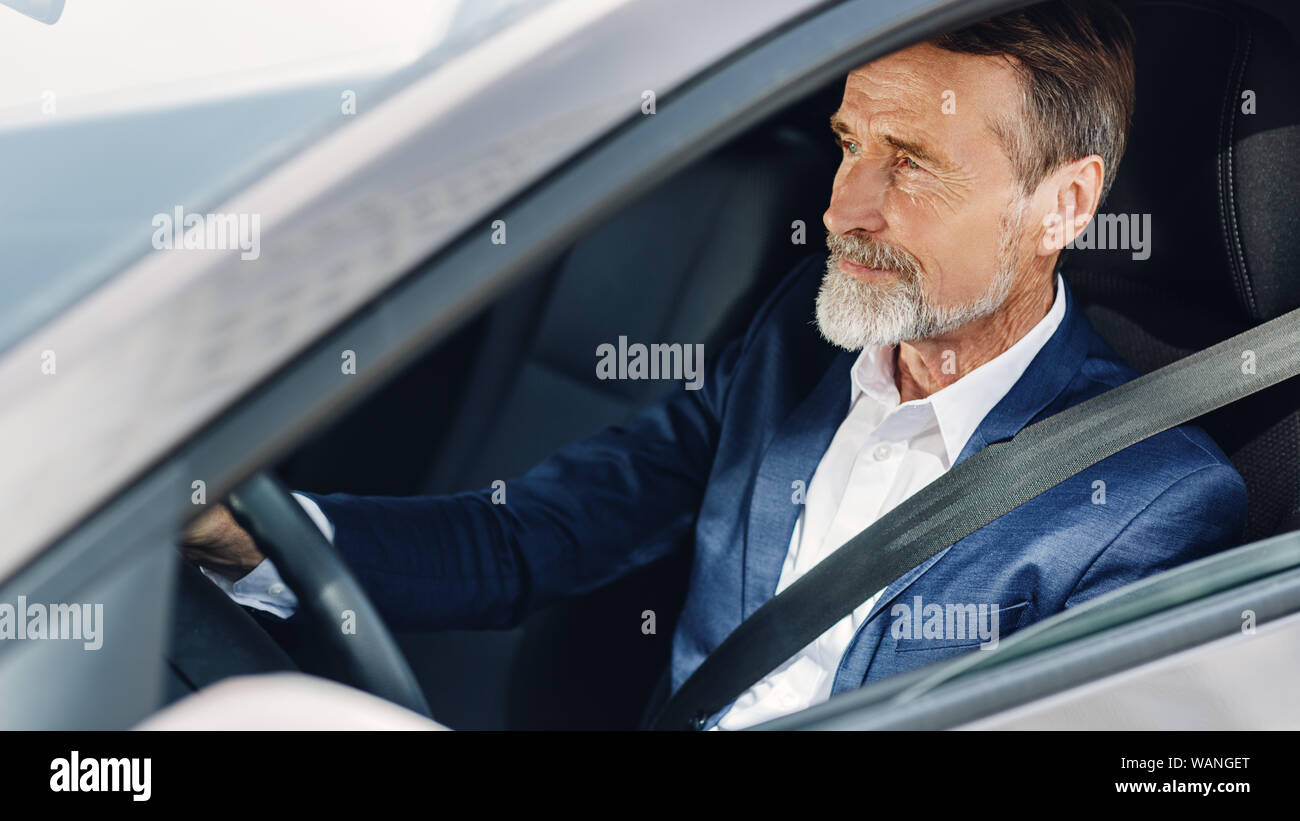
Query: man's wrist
[[231, 572]]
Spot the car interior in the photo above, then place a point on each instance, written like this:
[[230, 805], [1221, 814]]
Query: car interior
[[692, 259]]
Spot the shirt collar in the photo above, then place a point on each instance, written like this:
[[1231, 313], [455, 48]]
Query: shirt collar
[[960, 407]]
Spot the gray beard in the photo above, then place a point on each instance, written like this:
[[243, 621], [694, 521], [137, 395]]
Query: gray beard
[[853, 313]]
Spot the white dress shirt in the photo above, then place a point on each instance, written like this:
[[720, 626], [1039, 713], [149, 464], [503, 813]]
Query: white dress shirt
[[882, 453]]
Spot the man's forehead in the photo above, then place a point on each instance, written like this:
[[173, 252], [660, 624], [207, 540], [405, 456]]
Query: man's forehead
[[920, 76], [907, 72], [920, 89]]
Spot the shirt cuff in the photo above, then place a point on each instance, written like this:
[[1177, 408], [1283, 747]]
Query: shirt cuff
[[262, 588]]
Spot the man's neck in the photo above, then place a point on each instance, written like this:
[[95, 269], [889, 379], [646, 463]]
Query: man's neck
[[925, 366]]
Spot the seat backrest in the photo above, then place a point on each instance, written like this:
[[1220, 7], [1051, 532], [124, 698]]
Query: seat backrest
[[1214, 159], [684, 264]]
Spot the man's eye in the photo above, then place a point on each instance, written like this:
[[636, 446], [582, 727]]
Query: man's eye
[[911, 163], [851, 147]]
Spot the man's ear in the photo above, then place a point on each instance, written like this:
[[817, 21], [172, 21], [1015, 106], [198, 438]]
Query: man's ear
[[1071, 195]]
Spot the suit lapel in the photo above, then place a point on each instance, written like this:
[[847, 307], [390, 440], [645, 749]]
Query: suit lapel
[[1047, 376], [793, 455]]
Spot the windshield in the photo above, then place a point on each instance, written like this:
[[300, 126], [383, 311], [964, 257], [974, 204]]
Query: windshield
[[121, 110]]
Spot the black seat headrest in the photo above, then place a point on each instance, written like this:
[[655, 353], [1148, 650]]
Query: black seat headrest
[[1214, 158]]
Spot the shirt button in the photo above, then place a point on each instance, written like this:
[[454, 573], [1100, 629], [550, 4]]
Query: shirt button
[[275, 589], [882, 452]]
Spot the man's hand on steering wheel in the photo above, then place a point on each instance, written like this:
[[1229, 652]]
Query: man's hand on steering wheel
[[216, 541], [366, 655]]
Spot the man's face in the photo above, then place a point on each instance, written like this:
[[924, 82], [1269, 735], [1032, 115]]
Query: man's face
[[925, 223]]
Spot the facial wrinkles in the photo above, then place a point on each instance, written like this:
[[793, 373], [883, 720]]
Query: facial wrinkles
[[938, 195], [898, 103]]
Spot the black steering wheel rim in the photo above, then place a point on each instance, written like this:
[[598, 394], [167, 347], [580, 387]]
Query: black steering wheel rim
[[370, 658]]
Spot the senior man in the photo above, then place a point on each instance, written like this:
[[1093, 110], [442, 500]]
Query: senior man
[[941, 326]]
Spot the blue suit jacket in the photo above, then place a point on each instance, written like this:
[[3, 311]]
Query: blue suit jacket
[[717, 467]]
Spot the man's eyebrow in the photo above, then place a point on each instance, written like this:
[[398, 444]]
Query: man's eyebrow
[[908, 146], [918, 151]]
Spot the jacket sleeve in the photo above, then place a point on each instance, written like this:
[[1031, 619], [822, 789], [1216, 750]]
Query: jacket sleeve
[[589, 513], [1202, 513]]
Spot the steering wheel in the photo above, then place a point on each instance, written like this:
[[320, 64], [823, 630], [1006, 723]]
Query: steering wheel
[[368, 657]]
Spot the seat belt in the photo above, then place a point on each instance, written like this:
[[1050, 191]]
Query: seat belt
[[987, 485]]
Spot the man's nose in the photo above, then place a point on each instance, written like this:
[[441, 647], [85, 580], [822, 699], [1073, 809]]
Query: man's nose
[[856, 200]]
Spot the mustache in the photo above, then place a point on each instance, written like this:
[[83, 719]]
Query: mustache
[[874, 253]]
